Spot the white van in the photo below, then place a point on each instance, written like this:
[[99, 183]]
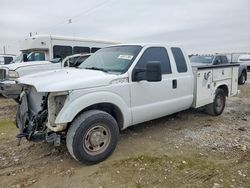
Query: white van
[[48, 47]]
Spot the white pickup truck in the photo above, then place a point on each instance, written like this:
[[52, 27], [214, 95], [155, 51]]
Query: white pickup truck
[[117, 87], [10, 73]]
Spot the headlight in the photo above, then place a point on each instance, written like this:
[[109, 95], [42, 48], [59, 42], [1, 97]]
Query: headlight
[[13, 75]]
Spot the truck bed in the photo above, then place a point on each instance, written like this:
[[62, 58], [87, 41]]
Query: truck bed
[[208, 78]]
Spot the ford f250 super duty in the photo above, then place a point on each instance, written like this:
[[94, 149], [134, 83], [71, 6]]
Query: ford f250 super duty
[[117, 87]]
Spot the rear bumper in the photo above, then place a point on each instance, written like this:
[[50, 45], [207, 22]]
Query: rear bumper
[[10, 89]]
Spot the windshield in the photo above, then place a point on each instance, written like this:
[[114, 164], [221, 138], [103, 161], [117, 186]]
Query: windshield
[[112, 59], [32, 56], [36, 56], [17, 59], [201, 59]]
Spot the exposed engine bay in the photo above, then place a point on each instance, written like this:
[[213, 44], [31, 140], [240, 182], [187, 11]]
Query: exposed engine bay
[[36, 115]]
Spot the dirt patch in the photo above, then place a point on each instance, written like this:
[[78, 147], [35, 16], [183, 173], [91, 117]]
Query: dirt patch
[[187, 149]]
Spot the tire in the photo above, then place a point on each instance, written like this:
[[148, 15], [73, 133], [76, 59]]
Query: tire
[[242, 78], [217, 107], [92, 136]]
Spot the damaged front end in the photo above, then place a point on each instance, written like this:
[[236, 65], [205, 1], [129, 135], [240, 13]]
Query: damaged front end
[[36, 115]]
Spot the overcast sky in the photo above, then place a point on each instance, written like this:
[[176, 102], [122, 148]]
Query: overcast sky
[[201, 26]]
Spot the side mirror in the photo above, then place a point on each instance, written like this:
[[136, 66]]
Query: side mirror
[[152, 73]]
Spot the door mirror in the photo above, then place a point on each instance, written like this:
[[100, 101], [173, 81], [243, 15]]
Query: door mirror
[[152, 73]]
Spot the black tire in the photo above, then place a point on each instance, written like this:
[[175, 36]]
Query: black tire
[[17, 118], [242, 78], [94, 126], [217, 107]]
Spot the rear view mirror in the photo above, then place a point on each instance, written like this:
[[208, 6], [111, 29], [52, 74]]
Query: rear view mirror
[[153, 71]]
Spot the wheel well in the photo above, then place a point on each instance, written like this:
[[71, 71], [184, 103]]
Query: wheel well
[[225, 89], [112, 109]]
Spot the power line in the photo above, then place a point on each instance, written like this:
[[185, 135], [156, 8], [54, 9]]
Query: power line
[[69, 20]]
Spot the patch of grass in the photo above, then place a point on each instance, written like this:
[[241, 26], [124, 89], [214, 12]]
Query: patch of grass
[[7, 126]]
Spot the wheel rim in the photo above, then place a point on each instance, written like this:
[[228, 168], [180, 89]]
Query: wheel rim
[[97, 139], [219, 103]]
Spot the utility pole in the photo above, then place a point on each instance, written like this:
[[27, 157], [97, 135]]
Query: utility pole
[[4, 52]]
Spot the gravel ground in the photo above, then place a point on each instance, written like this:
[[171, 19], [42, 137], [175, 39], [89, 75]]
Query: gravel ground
[[187, 149]]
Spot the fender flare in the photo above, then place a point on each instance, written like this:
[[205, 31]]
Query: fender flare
[[71, 109], [226, 85]]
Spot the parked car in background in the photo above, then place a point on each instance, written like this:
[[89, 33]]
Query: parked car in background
[[117, 87], [10, 73], [245, 58], [6, 59], [48, 47], [235, 58], [220, 59]]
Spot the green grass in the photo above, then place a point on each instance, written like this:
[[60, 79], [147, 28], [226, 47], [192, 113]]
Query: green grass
[[7, 126]]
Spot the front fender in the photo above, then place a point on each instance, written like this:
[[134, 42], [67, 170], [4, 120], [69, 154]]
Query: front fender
[[72, 108]]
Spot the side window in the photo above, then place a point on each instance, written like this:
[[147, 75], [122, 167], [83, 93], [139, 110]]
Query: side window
[[217, 60], [61, 51], [180, 61], [80, 49], [7, 60], [156, 54], [93, 50], [224, 60]]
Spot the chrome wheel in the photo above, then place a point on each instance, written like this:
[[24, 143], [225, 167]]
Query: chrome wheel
[[97, 139]]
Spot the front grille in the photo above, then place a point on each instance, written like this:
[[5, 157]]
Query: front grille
[[2, 74]]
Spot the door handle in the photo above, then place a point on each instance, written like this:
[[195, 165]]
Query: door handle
[[174, 84]]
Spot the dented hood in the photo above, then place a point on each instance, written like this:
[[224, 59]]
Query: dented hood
[[67, 79]]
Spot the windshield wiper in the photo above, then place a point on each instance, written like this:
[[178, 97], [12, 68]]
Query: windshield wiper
[[95, 68]]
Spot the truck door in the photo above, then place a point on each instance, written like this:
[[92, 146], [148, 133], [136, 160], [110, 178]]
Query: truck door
[[150, 100]]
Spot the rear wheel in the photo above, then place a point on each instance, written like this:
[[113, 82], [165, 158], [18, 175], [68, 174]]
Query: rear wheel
[[217, 107], [92, 136], [242, 78]]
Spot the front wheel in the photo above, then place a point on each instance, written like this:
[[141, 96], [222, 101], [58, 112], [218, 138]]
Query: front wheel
[[217, 107], [92, 136]]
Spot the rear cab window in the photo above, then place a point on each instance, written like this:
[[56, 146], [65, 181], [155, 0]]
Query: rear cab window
[[180, 61], [224, 60]]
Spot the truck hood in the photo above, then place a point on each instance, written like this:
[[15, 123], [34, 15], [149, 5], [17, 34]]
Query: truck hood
[[67, 79], [15, 66]]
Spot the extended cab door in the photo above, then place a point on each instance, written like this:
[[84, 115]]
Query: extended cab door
[[150, 100]]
